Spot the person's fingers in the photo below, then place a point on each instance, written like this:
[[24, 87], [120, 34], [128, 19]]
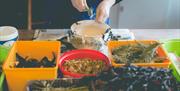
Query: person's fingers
[[80, 5], [85, 4], [97, 14], [102, 12], [105, 16], [104, 19], [101, 16]]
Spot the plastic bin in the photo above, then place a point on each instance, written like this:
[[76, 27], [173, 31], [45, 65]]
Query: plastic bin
[[82, 53], [173, 46], [1, 81], [62, 84], [4, 50], [161, 53], [3, 53], [17, 78], [175, 72]]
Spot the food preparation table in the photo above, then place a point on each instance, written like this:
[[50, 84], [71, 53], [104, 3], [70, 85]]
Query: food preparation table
[[157, 34]]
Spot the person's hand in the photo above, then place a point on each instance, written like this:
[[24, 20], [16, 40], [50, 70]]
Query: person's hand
[[103, 9], [80, 5]]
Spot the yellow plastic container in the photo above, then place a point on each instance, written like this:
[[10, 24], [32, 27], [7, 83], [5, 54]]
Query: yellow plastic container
[[17, 78], [160, 50]]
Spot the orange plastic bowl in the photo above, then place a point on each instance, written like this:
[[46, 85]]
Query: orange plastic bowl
[[82, 53]]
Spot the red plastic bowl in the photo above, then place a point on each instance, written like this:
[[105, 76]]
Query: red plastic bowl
[[81, 53]]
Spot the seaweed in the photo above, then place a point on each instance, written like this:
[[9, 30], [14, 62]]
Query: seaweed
[[63, 84], [84, 66], [32, 62], [126, 78], [66, 46], [137, 53], [134, 78]]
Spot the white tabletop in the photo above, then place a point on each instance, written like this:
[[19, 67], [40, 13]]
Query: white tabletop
[[140, 34], [157, 34]]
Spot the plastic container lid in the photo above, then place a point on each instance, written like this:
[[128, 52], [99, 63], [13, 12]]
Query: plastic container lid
[[8, 33]]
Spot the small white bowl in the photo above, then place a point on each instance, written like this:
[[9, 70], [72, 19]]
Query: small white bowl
[[8, 35], [89, 28]]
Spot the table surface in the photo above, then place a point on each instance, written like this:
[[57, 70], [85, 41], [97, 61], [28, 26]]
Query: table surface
[[156, 34], [25, 35], [140, 34]]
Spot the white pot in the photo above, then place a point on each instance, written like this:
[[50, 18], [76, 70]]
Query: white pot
[[8, 35]]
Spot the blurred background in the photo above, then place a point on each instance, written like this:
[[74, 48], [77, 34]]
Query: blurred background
[[146, 14], [131, 14]]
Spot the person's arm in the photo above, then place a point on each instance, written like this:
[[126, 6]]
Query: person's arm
[[103, 9]]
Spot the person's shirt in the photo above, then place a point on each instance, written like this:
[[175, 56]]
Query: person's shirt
[[61, 13]]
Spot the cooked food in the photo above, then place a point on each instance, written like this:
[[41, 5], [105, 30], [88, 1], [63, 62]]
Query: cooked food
[[137, 53], [84, 66]]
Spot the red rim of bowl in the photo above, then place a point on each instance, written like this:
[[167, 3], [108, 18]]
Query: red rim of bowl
[[70, 53]]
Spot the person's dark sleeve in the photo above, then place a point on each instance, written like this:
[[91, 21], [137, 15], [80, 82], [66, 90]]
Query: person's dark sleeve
[[117, 1]]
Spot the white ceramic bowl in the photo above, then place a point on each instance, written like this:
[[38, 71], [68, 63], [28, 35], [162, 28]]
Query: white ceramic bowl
[[90, 32], [89, 28]]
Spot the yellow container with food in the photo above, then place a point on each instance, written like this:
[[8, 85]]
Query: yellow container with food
[[138, 52], [26, 61]]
